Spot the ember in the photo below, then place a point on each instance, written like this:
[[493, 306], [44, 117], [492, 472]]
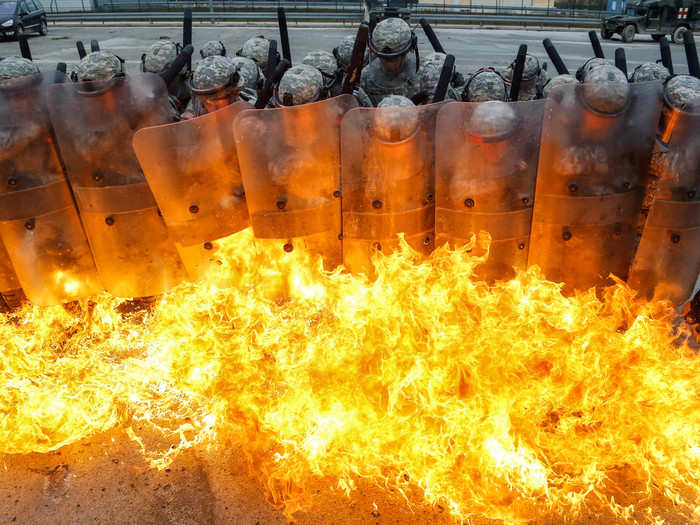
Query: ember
[[505, 401]]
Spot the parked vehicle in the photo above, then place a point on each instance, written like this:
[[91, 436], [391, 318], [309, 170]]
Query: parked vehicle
[[654, 17], [18, 16]]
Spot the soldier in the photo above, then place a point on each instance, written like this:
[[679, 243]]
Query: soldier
[[343, 53], [606, 88], [484, 85], [38, 221], [158, 59], [93, 119], [532, 75], [680, 90], [257, 49], [559, 80], [649, 71], [429, 76], [213, 48], [326, 63], [590, 64], [216, 82], [252, 76], [396, 71]]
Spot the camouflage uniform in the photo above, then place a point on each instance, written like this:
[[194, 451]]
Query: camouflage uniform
[[158, 59], [326, 63], [559, 80], [252, 78], [257, 49], [532, 73], [216, 82], [99, 66], [302, 84], [395, 101], [649, 71], [213, 48], [484, 85], [395, 70]]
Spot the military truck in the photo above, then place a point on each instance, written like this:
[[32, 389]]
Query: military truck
[[653, 17]]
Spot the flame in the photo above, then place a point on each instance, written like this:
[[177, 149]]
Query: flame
[[507, 401]]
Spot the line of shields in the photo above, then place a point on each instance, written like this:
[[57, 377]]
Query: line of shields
[[101, 192]]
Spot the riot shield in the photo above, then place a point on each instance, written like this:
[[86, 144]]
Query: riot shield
[[289, 159], [192, 169], [39, 224], [590, 182], [94, 124], [486, 166], [667, 261], [11, 294], [388, 181]]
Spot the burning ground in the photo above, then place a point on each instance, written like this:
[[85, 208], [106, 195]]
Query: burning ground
[[507, 402]]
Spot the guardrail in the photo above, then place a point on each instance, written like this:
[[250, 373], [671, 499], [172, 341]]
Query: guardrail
[[479, 16]]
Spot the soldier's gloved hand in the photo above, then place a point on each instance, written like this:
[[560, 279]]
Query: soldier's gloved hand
[[363, 98], [457, 79]]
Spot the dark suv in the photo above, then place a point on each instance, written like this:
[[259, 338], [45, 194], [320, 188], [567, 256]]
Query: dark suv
[[18, 16]]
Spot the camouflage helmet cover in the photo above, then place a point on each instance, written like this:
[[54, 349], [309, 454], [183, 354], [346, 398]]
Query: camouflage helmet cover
[[492, 121], [605, 89], [559, 80], [391, 36], [531, 69], [100, 65], [213, 48], [681, 90], [324, 61], [591, 63], [249, 71], [16, 67], [395, 119], [257, 49], [486, 84], [343, 53], [160, 56], [650, 71], [213, 72], [303, 83]]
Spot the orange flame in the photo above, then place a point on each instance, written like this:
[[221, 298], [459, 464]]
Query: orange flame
[[507, 401]]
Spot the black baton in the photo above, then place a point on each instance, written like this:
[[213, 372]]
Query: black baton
[[181, 61], [284, 35], [187, 34], [266, 93], [553, 55], [666, 59], [691, 53], [621, 60], [357, 60], [24, 47], [94, 46], [597, 49], [445, 77], [518, 72], [81, 49], [434, 41]]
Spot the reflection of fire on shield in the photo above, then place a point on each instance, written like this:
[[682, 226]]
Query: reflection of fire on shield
[[289, 159], [192, 169], [94, 124], [39, 224], [388, 181], [595, 149], [486, 165]]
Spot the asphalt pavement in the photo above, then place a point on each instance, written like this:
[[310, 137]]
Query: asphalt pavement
[[473, 48]]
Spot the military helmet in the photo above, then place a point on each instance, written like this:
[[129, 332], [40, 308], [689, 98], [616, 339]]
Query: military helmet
[[249, 71], [435, 59], [16, 67], [395, 119], [257, 49], [492, 121], [343, 52], [214, 73], [100, 65], [559, 80], [650, 71], [528, 82], [605, 89], [681, 90], [326, 63], [159, 56], [392, 37], [213, 48], [486, 84], [591, 63], [300, 85]]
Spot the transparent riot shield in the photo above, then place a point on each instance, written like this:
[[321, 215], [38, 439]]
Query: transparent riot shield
[[486, 166], [388, 181], [94, 124], [289, 159], [594, 154], [192, 169], [667, 261], [11, 294], [39, 223]]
